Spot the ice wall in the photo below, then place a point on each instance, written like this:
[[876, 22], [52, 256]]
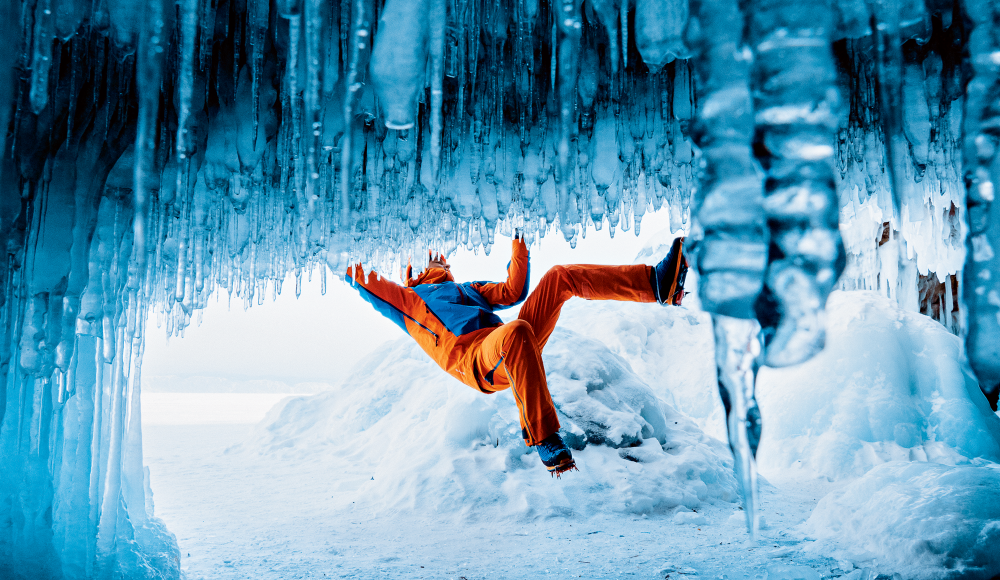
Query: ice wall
[[154, 152]]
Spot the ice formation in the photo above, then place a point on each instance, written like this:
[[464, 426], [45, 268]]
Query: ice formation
[[155, 152]]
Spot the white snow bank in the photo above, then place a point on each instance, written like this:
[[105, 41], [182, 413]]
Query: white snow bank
[[671, 349], [888, 386], [431, 443], [920, 520]]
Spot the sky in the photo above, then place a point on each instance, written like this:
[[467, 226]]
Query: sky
[[320, 337]]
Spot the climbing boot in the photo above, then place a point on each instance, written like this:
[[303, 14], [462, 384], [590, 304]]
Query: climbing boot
[[555, 456], [669, 275]]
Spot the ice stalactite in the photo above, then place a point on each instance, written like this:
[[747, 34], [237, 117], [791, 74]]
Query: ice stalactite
[[737, 358], [907, 197], [398, 60], [730, 237], [982, 180], [796, 102]]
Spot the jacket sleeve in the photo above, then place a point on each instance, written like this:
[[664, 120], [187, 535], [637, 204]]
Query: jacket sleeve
[[515, 289], [390, 299]]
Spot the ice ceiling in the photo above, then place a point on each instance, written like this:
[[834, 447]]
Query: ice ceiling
[[154, 152]]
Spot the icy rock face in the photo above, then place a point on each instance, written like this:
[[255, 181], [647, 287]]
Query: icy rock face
[[907, 397], [433, 443], [918, 520]]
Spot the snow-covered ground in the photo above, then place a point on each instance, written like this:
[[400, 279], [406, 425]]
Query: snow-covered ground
[[879, 457]]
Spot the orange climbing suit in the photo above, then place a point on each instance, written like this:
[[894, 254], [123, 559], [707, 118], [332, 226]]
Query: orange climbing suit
[[505, 356]]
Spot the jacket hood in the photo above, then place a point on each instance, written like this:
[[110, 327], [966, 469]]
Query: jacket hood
[[430, 276]]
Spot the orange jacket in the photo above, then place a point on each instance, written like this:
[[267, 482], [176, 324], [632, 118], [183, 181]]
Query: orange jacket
[[448, 320]]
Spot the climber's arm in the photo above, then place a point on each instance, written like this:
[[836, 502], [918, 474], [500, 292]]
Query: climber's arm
[[515, 289], [391, 300]]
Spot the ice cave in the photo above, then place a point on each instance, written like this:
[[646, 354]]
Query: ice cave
[[832, 165]]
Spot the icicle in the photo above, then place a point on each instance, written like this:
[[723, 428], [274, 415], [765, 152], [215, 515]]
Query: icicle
[[981, 276], [731, 235], [623, 25], [41, 60], [659, 31], [795, 102], [737, 351], [294, 144], [149, 65], [889, 92], [331, 51], [258, 21], [607, 12], [360, 29], [399, 58], [185, 81], [437, 33], [570, 33], [313, 18], [206, 34]]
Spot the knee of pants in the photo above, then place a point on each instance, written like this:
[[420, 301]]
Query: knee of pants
[[555, 275], [519, 331]]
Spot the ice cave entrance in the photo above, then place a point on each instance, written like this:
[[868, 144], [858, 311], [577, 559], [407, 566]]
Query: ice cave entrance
[[207, 394]]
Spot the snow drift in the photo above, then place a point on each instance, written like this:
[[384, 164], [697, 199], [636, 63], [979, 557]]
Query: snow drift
[[919, 519], [888, 412], [435, 444], [890, 386]]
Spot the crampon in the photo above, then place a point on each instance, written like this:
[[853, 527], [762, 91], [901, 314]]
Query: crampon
[[558, 470]]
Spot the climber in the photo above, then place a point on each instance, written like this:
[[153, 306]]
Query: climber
[[457, 327]]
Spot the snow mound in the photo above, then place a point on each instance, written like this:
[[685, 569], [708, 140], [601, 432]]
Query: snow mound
[[889, 386], [670, 349], [414, 438], [920, 520]]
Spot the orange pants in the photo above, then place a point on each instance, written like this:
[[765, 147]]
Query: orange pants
[[511, 356]]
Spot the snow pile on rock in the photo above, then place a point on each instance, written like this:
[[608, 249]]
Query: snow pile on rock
[[920, 520], [890, 386], [434, 444], [670, 349], [889, 409]]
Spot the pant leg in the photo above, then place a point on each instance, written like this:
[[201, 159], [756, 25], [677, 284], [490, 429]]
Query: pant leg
[[510, 358], [542, 307]]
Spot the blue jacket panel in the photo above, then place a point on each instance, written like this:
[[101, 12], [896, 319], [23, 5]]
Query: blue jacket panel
[[459, 307]]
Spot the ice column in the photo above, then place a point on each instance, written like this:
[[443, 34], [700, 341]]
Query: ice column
[[74, 297], [795, 113], [982, 180], [730, 237]]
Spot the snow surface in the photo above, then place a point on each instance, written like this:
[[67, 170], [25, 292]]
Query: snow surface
[[880, 451], [889, 387]]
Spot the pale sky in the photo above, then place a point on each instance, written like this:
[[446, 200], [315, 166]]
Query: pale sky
[[319, 338]]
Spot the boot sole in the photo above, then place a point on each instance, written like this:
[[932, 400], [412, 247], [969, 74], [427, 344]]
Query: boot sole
[[565, 465]]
